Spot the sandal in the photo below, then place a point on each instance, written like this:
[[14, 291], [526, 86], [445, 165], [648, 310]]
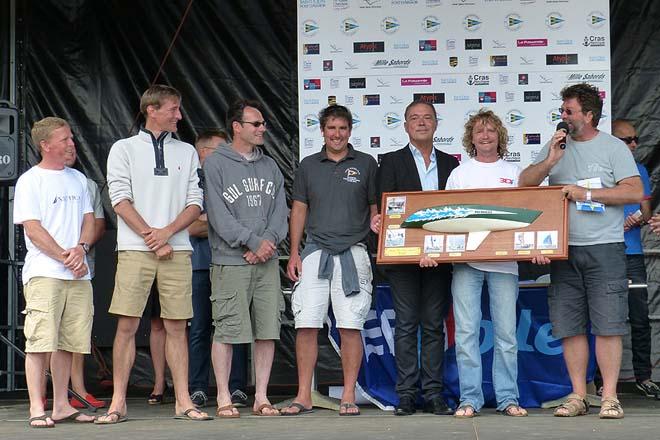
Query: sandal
[[574, 405], [610, 408], [514, 410], [468, 412], [230, 407]]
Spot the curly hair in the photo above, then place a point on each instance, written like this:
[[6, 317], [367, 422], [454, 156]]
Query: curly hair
[[484, 116], [588, 97]]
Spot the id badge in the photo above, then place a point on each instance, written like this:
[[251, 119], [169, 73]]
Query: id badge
[[590, 206]]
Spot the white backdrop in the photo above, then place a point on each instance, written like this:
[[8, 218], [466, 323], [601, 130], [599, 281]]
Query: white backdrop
[[512, 56]]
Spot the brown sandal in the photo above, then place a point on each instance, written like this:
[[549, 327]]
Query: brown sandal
[[514, 410], [575, 405], [610, 408], [230, 407]]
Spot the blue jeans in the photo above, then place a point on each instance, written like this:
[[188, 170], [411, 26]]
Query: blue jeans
[[466, 290], [199, 341]]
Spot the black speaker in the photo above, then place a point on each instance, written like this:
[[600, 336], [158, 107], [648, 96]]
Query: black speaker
[[8, 143]]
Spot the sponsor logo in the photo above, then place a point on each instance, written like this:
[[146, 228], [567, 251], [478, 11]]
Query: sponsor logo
[[310, 122], [370, 99], [349, 65], [532, 42], [312, 3], [461, 97], [311, 49], [370, 4], [428, 45], [585, 77], [307, 65], [564, 42], [532, 138], [335, 49], [433, 3], [498, 60], [374, 141], [513, 22], [368, 46], [553, 117], [593, 41], [429, 62], [327, 65], [311, 101], [487, 97], [478, 80], [400, 45], [391, 64], [357, 83], [545, 80], [389, 25], [453, 61], [395, 100], [451, 44], [310, 28], [506, 180], [533, 154], [334, 83], [352, 175], [526, 61], [472, 22], [356, 142], [561, 58], [523, 79], [448, 81], [349, 100], [340, 4], [404, 2], [391, 120], [515, 118], [394, 142], [332, 100], [473, 61], [380, 82], [497, 44], [430, 23], [431, 98], [312, 84], [554, 20], [599, 58], [426, 81], [510, 156], [308, 143], [441, 140], [596, 19], [509, 96], [356, 120], [527, 2], [532, 96], [349, 26], [556, 96], [473, 44], [504, 78]]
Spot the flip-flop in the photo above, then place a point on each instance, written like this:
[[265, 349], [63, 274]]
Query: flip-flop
[[301, 410], [509, 411], [465, 414], [73, 418], [259, 411], [42, 417], [233, 415], [186, 416], [347, 406], [120, 418]]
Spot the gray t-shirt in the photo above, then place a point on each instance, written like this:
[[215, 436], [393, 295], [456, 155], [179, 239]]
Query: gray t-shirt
[[97, 204], [604, 157], [338, 195]]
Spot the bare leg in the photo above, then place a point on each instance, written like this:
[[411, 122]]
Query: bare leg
[[306, 355], [77, 374], [157, 338], [351, 359], [176, 351], [576, 355], [61, 372], [264, 351], [35, 365], [608, 354], [44, 376], [123, 356], [221, 355]]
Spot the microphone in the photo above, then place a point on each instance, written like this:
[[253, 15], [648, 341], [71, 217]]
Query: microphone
[[562, 126]]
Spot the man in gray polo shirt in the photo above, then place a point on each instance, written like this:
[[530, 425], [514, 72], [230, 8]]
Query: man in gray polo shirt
[[334, 191], [600, 176]]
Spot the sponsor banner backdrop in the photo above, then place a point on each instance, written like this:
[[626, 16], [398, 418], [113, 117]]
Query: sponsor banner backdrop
[[511, 56]]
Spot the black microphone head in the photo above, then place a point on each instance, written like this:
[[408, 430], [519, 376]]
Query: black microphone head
[[562, 126]]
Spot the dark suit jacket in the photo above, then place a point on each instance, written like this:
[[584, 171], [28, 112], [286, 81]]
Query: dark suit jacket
[[398, 172]]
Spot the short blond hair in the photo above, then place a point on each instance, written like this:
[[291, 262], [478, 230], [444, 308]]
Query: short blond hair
[[486, 116], [155, 95], [41, 130]]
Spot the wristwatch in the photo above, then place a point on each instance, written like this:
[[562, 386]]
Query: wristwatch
[[85, 247]]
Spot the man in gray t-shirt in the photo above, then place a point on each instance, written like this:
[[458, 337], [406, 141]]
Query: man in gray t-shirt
[[599, 176]]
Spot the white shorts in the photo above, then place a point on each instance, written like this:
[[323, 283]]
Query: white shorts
[[312, 295]]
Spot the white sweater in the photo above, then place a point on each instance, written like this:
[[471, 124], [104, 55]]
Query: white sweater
[[159, 199]]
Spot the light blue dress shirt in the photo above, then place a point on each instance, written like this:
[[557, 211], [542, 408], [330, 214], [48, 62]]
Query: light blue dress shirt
[[428, 176]]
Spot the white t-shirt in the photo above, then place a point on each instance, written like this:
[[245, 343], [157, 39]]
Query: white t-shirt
[[475, 174], [59, 200]]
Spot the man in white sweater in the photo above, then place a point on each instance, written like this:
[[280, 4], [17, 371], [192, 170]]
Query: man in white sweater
[[154, 189]]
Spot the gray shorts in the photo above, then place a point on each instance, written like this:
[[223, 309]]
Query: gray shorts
[[591, 286], [246, 302]]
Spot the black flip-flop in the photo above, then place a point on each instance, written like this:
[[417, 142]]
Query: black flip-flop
[[73, 418], [301, 410], [186, 416], [42, 417]]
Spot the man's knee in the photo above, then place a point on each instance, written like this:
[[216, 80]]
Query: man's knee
[[175, 327], [127, 326]]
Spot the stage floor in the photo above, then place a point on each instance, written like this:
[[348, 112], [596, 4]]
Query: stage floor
[[642, 421]]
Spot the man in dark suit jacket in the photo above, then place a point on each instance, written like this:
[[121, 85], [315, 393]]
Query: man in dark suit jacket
[[421, 295]]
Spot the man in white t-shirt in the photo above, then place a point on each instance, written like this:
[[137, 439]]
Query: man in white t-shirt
[[485, 141], [52, 203]]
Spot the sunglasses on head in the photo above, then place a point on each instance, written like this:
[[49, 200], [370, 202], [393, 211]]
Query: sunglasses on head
[[630, 139]]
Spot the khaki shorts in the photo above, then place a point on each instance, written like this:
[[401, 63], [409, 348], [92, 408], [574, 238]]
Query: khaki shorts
[[136, 271], [58, 315], [246, 302]]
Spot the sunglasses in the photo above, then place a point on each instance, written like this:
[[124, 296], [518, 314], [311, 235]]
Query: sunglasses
[[255, 124], [630, 139]]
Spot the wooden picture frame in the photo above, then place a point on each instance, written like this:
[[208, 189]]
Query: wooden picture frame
[[504, 224]]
